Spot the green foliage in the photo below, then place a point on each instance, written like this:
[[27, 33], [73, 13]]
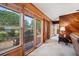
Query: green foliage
[[39, 25], [3, 34], [32, 24], [26, 24], [1, 28], [12, 33], [9, 18], [16, 32]]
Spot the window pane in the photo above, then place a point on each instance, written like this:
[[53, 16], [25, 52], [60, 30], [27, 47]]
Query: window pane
[[38, 26], [9, 28], [28, 32]]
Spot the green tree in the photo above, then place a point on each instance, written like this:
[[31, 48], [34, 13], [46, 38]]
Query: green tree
[[32, 24], [26, 25], [9, 18], [39, 25]]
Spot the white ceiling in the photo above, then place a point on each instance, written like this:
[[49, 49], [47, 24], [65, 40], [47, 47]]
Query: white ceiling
[[53, 10]]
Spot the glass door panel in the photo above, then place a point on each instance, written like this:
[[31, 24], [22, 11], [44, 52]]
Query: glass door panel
[[28, 33], [38, 32]]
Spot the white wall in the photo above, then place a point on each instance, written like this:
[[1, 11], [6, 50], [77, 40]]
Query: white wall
[[55, 27]]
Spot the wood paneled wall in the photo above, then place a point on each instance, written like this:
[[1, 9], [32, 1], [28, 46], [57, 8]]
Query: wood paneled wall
[[70, 21], [31, 10], [16, 52]]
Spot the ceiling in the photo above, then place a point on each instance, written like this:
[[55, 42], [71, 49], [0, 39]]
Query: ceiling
[[54, 10]]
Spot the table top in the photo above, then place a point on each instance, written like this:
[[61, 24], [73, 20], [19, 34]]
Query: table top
[[75, 34]]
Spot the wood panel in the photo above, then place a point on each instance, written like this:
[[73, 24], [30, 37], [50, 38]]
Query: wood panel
[[31, 10], [71, 22], [16, 52], [55, 22], [44, 37], [48, 30]]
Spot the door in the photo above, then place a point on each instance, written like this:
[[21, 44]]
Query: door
[[28, 33], [39, 32]]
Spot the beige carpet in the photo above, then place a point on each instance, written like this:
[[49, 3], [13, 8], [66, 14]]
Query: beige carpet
[[52, 48]]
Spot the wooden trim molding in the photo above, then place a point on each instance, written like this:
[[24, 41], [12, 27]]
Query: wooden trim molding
[[30, 10]]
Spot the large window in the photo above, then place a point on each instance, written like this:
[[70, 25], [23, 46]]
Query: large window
[[38, 31], [28, 33], [9, 28]]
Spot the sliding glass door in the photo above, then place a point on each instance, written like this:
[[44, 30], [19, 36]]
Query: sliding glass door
[[32, 33], [38, 32], [28, 33]]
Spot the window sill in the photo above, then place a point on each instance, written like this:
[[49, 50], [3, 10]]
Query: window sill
[[8, 50]]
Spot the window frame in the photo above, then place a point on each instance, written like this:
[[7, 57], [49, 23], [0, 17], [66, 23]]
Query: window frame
[[39, 19], [27, 52], [14, 47]]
